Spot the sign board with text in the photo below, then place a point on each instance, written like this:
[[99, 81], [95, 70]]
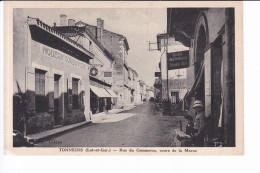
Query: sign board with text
[[178, 60]]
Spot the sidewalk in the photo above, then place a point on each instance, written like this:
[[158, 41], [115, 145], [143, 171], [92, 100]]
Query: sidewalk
[[102, 116], [38, 137]]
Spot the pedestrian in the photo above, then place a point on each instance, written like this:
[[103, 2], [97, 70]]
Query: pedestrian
[[199, 128], [199, 124], [107, 108], [190, 125]]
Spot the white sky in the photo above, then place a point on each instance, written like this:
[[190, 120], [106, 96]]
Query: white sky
[[139, 26]]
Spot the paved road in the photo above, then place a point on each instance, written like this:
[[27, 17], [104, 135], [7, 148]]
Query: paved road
[[143, 126]]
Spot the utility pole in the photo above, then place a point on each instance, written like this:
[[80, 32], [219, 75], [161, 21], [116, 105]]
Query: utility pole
[[167, 78]]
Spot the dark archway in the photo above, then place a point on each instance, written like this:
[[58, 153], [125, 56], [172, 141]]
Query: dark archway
[[201, 40], [201, 43]]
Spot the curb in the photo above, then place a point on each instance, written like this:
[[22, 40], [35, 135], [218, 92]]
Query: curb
[[43, 138]]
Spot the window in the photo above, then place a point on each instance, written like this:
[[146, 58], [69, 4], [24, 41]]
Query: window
[[107, 74], [75, 93], [40, 98], [90, 46]]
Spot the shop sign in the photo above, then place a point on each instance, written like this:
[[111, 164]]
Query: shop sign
[[178, 60], [62, 57]]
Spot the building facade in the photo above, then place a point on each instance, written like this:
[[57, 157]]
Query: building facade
[[101, 66], [118, 47], [51, 76], [209, 33]]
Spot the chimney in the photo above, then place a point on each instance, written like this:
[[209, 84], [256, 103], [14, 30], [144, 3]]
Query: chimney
[[71, 22], [63, 20], [100, 28]]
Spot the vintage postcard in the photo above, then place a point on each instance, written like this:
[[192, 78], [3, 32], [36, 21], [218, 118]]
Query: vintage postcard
[[124, 78]]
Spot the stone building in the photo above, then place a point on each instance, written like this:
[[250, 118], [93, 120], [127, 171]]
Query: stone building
[[209, 33], [101, 66], [50, 77], [133, 85], [118, 47]]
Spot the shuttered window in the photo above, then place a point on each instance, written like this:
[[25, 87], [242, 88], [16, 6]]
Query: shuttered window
[[75, 93], [40, 98]]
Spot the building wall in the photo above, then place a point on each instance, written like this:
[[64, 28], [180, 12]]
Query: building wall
[[20, 47], [103, 64], [215, 56], [175, 85], [51, 65], [138, 91], [115, 45], [30, 55]]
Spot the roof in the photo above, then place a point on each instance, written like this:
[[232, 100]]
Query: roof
[[38, 25], [72, 31], [123, 37]]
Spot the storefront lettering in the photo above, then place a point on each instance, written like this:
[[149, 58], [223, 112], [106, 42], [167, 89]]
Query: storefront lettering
[[61, 57]]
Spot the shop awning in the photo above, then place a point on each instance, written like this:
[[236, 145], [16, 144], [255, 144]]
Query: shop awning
[[197, 81], [45, 34], [100, 92], [111, 93], [106, 94]]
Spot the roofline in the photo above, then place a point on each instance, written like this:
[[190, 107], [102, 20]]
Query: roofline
[[105, 51], [47, 28], [100, 46], [125, 40]]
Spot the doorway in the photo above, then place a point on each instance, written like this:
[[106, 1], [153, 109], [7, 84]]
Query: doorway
[[57, 100], [199, 61]]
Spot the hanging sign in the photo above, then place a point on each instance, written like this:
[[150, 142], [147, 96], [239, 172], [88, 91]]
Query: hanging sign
[[178, 60], [93, 71]]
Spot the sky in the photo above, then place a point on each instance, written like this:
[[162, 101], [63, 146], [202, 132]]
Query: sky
[[138, 25]]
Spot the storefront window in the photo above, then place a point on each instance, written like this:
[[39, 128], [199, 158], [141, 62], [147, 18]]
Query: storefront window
[[75, 93], [40, 98]]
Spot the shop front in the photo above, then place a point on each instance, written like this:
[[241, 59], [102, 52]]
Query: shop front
[[211, 73], [50, 75], [101, 96]]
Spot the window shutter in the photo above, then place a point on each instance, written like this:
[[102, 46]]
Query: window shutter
[[42, 85], [37, 83]]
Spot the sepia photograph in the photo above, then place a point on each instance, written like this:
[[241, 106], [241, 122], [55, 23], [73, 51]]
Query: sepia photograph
[[125, 79]]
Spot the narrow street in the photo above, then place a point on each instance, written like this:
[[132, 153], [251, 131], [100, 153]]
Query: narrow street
[[143, 126]]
